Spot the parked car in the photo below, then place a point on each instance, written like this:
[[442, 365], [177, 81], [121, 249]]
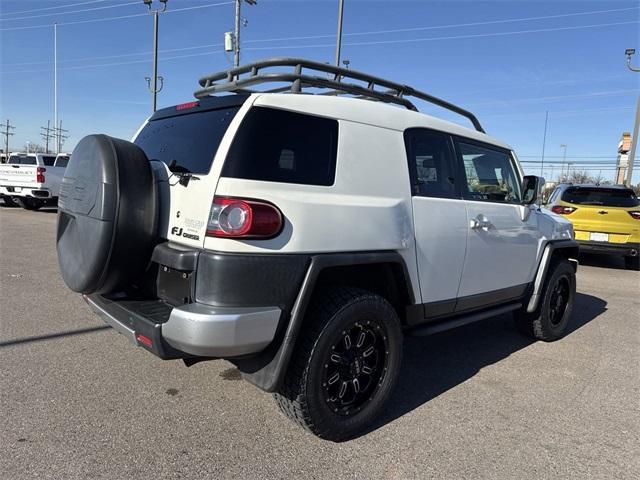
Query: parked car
[[606, 218], [300, 236], [32, 180]]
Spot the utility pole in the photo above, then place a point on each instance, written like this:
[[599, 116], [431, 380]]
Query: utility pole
[[236, 34], [46, 135], [634, 140], [339, 35], [55, 76], [6, 131], [152, 83], [544, 141], [564, 158], [634, 145], [60, 136]]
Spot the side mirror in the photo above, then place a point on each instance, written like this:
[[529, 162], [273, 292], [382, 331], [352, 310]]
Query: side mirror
[[531, 189]]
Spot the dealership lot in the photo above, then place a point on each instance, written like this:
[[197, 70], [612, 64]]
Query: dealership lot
[[78, 401]]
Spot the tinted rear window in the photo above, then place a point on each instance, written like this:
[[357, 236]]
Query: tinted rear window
[[62, 162], [48, 161], [22, 160], [190, 140], [279, 146], [610, 197]]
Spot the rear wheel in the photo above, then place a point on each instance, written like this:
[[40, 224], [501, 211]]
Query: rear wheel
[[8, 202], [551, 318], [345, 365], [30, 203], [632, 263]]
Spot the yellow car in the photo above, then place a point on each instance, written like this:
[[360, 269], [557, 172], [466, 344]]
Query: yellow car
[[606, 219]]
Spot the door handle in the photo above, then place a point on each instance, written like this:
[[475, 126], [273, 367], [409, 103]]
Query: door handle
[[480, 222]]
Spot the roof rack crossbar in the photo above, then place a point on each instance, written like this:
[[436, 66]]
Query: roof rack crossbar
[[339, 80]]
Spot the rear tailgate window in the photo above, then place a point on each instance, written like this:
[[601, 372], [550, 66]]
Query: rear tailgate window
[[22, 160], [608, 197], [186, 143]]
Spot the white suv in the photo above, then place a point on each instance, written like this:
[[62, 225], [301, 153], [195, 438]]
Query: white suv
[[300, 236]]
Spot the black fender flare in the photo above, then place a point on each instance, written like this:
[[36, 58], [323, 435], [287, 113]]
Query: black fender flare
[[270, 376], [567, 247]]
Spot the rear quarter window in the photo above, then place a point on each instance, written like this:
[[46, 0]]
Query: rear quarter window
[[280, 146], [609, 197]]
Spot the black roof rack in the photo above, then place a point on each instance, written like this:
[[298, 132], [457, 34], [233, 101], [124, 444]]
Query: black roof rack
[[235, 81]]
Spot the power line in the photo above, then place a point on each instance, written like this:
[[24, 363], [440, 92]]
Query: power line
[[56, 7], [457, 25], [46, 135], [70, 12], [324, 45], [93, 20]]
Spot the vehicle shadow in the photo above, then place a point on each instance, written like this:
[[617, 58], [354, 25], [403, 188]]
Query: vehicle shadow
[[602, 261], [432, 365]]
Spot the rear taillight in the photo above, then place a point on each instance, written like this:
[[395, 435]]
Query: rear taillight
[[237, 217], [635, 214], [40, 174], [562, 210]]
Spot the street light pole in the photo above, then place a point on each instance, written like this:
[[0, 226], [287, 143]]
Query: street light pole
[[152, 83], [634, 140], [339, 35], [544, 142], [55, 82]]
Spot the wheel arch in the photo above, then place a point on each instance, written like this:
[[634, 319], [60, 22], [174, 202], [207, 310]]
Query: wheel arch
[[384, 273], [554, 251]]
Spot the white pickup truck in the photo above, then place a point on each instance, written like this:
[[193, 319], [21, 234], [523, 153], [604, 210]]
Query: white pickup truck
[[32, 180]]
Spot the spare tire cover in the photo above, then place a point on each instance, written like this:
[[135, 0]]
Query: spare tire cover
[[107, 215]]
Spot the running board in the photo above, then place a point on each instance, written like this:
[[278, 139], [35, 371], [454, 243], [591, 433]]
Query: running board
[[448, 324]]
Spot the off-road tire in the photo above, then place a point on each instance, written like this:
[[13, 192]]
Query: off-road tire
[[545, 324], [632, 263], [302, 397]]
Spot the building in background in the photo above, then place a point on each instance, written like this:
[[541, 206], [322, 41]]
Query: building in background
[[623, 158]]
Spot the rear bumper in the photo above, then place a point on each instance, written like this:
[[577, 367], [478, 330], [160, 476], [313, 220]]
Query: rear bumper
[[10, 191], [190, 330], [626, 249]]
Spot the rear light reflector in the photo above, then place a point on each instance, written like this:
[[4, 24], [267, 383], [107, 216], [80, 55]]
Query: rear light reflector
[[635, 214], [40, 174], [243, 218], [144, 340], [186, 106], [562, 210]]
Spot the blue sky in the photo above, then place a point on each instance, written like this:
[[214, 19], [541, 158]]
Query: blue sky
[[507, 61]]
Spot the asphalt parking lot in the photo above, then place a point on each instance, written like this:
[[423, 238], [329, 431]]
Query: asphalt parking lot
[[78, 401]]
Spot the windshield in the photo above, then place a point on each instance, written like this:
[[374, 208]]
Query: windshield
[[609, 197], [186, 143]]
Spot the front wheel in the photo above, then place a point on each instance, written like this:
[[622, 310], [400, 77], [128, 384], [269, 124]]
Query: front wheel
[[551, 318], [345, 364]]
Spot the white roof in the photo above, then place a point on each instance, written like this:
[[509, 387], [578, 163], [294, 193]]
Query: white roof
[[369, 112]]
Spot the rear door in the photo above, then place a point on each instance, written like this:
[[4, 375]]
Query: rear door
[[439, 216], [503, 235]]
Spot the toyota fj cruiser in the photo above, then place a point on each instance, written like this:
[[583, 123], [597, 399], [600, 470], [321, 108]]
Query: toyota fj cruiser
[[300, 235]]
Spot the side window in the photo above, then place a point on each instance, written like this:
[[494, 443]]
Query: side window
[[62, 162], [431, 163], [281, 146], [48, 161], [490, 174]]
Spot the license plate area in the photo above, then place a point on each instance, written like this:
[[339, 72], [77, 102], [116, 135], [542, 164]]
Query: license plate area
[[599, 237], [175, 287]]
